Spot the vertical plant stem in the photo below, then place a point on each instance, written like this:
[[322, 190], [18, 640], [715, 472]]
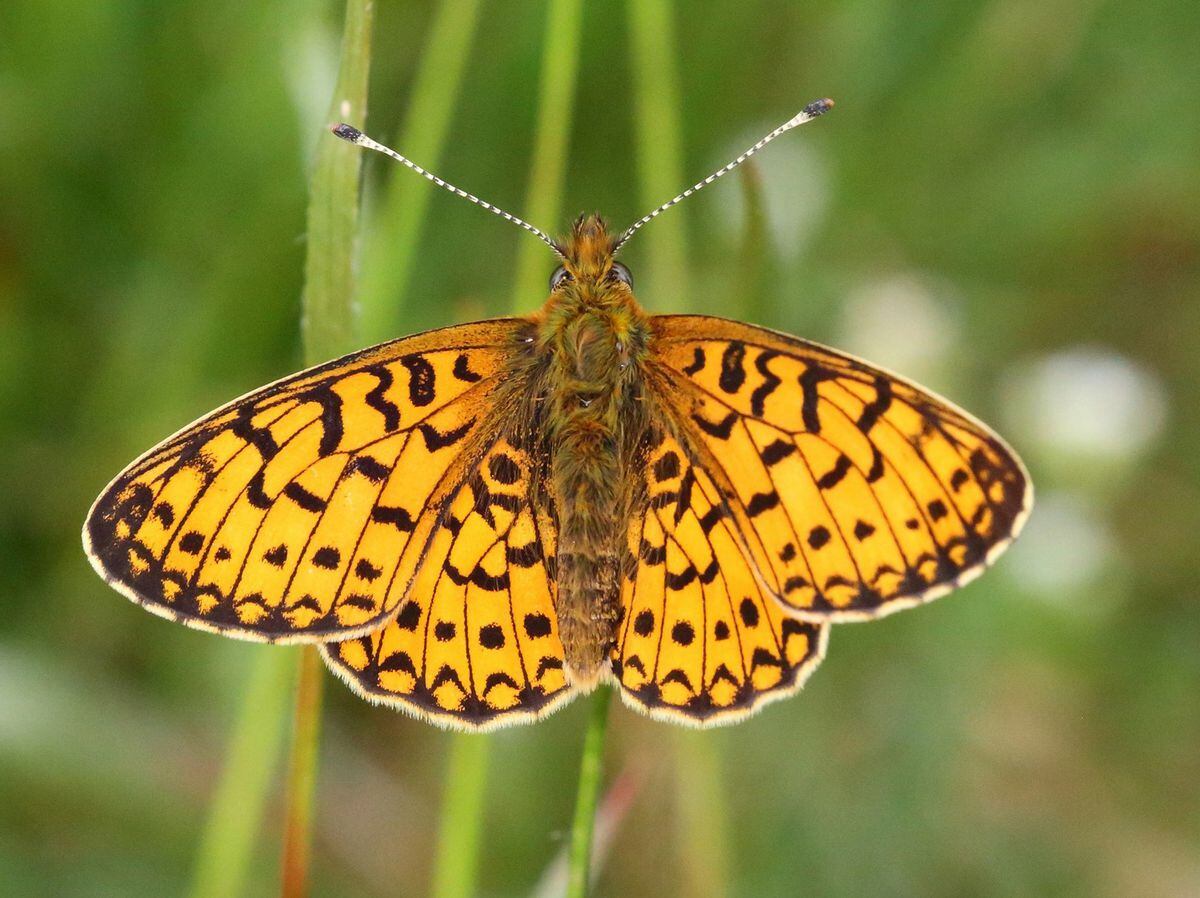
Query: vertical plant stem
[[749, 293], [456, 863], [250, 762], [302, 773], [543, 203], [702, 815], [702, 833], [391, 247], [328, 328], [659, 149], [587, 796]]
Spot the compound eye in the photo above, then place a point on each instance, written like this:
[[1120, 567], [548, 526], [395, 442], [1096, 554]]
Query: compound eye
[[561, 276], [619, 272]]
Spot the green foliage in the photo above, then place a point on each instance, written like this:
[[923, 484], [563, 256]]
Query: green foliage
[[1026, 170]]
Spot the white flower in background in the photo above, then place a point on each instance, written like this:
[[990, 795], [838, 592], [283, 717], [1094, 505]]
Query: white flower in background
[[1066, 547], [906, 323], [1090, 403]]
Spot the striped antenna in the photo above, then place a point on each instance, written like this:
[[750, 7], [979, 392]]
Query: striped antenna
[[807, 114], [354, 136]]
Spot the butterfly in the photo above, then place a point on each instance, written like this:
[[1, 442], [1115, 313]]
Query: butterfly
[[481, 522]]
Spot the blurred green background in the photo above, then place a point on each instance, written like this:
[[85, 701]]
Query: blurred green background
[[1005, 206]]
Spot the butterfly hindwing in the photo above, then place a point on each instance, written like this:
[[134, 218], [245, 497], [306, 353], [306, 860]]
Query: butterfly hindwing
[[857, 492], [475, 642], [291, 513], [700, 640]]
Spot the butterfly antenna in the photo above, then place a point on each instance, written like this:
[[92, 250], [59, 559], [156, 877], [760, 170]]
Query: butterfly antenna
[[356, 137], [807, 114]]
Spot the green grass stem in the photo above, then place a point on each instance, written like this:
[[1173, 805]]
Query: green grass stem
[[659, 142], [236, 812], [456, 863], [328, 330], [543, 203], [391, 247], [588, 795]]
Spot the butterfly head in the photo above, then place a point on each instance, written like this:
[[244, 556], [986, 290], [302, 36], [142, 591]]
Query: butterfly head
[[587, 258]]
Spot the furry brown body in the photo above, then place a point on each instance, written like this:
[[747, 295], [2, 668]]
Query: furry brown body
[[592, 342]]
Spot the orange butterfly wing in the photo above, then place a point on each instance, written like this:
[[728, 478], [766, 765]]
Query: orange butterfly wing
[[475, 644], [297, 512], [701, 640], [856, 492]]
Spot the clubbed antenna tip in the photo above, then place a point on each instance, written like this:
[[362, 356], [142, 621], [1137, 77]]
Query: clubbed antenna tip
[[817, 107], [347, 132]]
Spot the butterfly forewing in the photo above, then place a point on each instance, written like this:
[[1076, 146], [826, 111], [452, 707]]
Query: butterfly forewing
[[292, 513], [701, 641], [475, 644], [856, 492]]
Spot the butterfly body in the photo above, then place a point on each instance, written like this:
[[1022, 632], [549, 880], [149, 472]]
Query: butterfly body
[[480, 522], [593, 336]]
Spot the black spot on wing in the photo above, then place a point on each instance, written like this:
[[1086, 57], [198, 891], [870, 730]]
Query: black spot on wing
[[331, 418], [462, 370], [762, 502], [537, 625], [368, 467], [651, 554], [499, 679], [254, 490], [835, 475], [259, 437], [420, 380], [682, 579], [758, 398], [697, 363], [478, 577], [719, 429], [302, 497], [409, 616], [377, 397], [327, 557], [192, 542], [436, 439], [733, 374], [503, 469], [711, 517], [667, 467], [777, 451], [491, 636], [678, 676], [683, 633], [818, 537], [873, 410], [643, 624], [394, 515], [524, 556], [812, 376]]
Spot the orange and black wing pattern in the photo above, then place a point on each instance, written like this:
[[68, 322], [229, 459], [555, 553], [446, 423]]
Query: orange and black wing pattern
[[701, 641], [296, 512], [856, 492], [475, 643]]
